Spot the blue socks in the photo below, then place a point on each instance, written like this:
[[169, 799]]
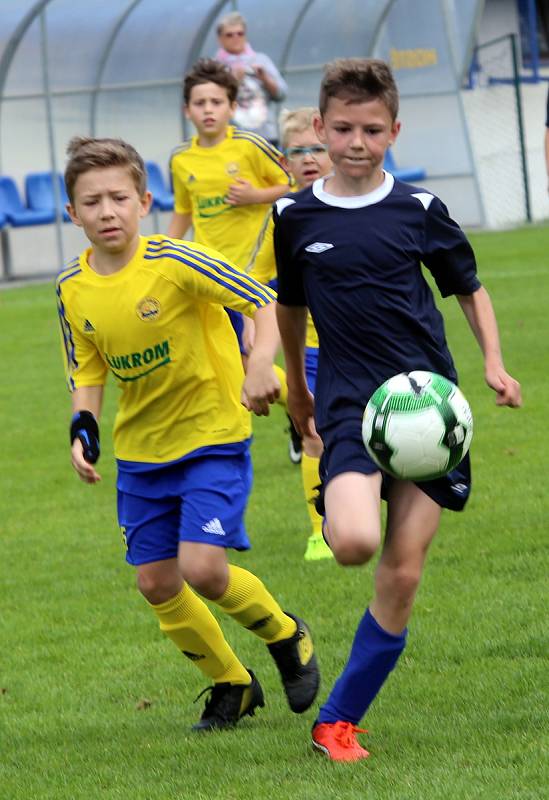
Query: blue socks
[[373, 655]]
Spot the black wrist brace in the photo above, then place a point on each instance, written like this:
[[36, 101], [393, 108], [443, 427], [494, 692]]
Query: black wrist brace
[[85, 428]]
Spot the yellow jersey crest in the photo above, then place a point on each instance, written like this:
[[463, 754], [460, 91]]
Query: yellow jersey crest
[[148, 309]]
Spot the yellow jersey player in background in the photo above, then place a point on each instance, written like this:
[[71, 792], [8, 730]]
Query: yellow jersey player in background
[[306, 159], [150, 310], [224, 179]]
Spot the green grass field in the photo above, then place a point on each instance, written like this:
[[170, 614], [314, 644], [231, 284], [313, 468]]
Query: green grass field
[[94, 703]]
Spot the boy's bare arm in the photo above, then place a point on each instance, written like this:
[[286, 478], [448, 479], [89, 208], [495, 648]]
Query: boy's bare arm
[[292, 324], [261, 386], [480, 315], [179, 225], [243, 193]]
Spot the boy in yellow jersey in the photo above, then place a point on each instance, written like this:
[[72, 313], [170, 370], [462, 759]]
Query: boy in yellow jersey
[[224, 179], [306, 159], [150, 311]]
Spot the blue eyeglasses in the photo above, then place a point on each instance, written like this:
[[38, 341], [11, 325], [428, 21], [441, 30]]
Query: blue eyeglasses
[[300, 152]]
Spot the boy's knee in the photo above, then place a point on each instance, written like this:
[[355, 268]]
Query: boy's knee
[[353, 547], [157, 587], [208, 580]]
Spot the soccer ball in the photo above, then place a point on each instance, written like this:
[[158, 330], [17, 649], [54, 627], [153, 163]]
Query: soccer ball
[[417, 426]]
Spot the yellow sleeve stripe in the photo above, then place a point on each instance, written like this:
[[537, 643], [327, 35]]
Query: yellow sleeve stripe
[[222, 272], [242, 133], [263, 145], [73, 265], [181, 148], [67, 339]]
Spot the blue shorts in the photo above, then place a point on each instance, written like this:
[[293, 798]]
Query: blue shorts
[[344, 451], [237, 321], [199, 499], [311, 367]]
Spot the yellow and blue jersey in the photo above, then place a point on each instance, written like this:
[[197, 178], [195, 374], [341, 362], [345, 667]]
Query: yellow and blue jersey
[[159, 326], [262, 267], [201, 180]]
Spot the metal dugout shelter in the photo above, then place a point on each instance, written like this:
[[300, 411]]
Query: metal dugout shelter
[[115, 67]]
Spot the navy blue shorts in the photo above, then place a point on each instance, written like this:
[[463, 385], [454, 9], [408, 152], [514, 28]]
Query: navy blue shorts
[[200, 499], [344, 451]]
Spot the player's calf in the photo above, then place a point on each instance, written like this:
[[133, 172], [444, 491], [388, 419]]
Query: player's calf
[[395, 592]]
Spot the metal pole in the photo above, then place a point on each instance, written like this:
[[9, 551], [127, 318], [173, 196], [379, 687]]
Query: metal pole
[[516, 82], [11, 49], [51, 137], [533, 38], [117, 27], [5, 247], [446, 17]]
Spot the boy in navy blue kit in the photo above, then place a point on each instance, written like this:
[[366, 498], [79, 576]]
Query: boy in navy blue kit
[[350, 248]]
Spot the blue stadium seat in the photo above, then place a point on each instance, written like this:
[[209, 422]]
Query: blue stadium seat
[[162, 197], [39, 190], [13, 208], [404, 174]]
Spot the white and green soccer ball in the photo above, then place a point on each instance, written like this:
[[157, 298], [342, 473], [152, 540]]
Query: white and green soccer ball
[[417, 426]]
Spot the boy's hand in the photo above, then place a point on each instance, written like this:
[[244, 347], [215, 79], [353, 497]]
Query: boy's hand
[[507, 388], [301, 408], [85, 470], [238, 71], [261, 387], [242, 193]]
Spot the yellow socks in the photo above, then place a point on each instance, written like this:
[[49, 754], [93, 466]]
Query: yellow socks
[[248, 602], [190, 624], [309, 475], [281, 375]]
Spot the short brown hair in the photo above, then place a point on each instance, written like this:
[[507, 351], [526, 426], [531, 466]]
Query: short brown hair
[[86, 153], [208, 70], [295, 121], [358, 80]]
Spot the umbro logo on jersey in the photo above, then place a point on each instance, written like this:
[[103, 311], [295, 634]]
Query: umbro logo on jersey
[[88, 327], [318, 247], [214, 526]]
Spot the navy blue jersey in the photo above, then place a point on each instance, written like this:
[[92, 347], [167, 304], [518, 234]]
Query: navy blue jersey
[[356, 263]]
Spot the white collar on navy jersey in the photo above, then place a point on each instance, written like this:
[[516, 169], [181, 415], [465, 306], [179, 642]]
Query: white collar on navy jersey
[[359, 200]]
